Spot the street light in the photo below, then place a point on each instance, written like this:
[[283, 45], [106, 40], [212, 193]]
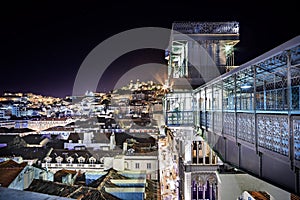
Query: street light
[[228, 49], [246, 86]]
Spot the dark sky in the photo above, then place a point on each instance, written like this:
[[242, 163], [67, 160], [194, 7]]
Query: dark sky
[[43, 43]]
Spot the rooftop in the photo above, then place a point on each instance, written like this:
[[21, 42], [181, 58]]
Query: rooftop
[[61, 173], [60, 128], [75, 154], [139, 137], [98, 137], [15, 130], [33, 138], [9, 170], [259, 195], [74, 192], [24, 152], [7, 193]]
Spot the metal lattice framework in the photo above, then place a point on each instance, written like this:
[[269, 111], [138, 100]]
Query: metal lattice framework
[[256, 108], [246, 127], [254, 98], [296, 131], [273, 133], [273, 87], [206, 27]]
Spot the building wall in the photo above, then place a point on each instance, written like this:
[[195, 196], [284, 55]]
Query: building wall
[[45, 124], [187, 186], [147, 163], [54, 167], [101, 146]]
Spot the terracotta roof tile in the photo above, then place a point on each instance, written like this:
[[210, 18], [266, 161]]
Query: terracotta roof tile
[[9, 170], [63, 190]]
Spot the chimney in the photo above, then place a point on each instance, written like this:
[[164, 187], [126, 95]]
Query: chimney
[[125, 147], [112, 143]]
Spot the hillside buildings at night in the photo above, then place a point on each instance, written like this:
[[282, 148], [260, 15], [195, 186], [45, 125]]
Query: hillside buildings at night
[[212, 130], [87, 136]]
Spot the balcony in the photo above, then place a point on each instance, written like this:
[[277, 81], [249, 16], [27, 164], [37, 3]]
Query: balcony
[[200, 168]]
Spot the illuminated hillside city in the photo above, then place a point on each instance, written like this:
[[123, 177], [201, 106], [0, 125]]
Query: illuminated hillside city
[[185, 138]]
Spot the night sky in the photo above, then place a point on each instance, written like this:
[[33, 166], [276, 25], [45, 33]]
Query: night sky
[[43, 43]]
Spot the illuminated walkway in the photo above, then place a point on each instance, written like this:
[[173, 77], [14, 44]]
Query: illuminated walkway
[[168, 171], [250, 116]]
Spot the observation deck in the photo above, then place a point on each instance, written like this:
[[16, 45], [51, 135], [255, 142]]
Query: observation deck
[[250, 116]]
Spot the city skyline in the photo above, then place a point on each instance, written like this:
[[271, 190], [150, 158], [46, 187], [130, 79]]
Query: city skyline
[[44, 44], [150, 110]]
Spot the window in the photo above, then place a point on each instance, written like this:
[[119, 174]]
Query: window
[[148, 165], [137, 165]]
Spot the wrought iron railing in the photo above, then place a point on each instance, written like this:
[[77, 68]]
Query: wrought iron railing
[[206, 27]]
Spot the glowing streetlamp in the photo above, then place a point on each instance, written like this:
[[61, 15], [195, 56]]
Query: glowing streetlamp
[[228, 49]]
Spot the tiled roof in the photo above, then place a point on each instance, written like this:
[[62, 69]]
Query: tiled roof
[[13, 130], [24, 152], [63, 190], [139, 137], [259, 195], [7, 193], [98, 154], [294, 197], [6, 138], [75, 137], [60, 128], [9, 170], [152, 191], [104, 181], [33, 138], [98, 137], [52, 188], [60, 173]]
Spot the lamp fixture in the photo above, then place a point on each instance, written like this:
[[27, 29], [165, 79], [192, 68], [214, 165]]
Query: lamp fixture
[[246, 86]]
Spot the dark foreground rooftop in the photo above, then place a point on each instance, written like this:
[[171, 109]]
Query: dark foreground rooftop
[[7, 193]]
